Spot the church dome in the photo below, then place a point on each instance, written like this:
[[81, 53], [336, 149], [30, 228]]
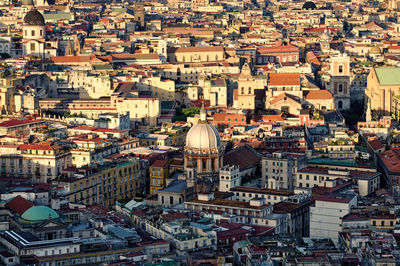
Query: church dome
[[34, 18], [309, 5], [203, 136], [39, 213]]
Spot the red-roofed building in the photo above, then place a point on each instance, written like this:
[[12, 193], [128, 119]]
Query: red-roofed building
[[320, 99], [388, 163], [19, 126], [279, 83], [277, 54], [222, 120], [19, 205]]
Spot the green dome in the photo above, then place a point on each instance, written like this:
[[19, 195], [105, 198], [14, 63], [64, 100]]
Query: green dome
[[39, 213]]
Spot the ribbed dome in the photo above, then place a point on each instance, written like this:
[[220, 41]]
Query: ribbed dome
[[39, 213], [34, 18], [203, 136]]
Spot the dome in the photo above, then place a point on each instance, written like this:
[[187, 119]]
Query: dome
[[34, 18], [309, 5], [203, 136], [39, 213], [375, 50]]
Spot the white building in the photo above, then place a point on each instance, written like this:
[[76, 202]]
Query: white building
[[326, 216], [229, 177]]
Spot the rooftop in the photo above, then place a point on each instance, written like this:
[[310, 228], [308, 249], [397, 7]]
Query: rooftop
[[388, 75]]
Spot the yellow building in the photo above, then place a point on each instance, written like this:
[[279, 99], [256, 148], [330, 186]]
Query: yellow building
[[385, 221], [246, 85], [196, 54], [383, 84], [102, 185], [158, 175]]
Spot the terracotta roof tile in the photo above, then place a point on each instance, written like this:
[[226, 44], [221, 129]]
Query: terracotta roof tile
[[243, 156], [318, 95], [284, 79], [19, 205]]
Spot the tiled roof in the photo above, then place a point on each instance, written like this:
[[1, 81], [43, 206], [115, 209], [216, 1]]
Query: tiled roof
[[284, 96], [277, 49], [376, 144], [43, 145], [243, 156], [318, 95], [284, 79], [19, 205], [70, 59], [17, 122], [391, 160], [159, 163]]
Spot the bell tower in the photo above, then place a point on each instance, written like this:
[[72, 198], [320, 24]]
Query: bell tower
[[139, 14]]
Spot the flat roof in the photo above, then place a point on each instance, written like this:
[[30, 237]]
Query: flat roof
[[228, 203], [262, 191]]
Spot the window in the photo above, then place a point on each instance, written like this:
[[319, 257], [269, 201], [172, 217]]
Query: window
[[340, 88], [32, 33], [340, 69]]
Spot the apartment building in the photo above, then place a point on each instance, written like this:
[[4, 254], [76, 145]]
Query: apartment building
[[40, 161], [326, 215], [102, 185], [308, 177], [278, 170], [159, 171]]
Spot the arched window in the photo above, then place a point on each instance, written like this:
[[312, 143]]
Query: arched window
[[340, 104], [249, 90], [242, 90], [340, 88]]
